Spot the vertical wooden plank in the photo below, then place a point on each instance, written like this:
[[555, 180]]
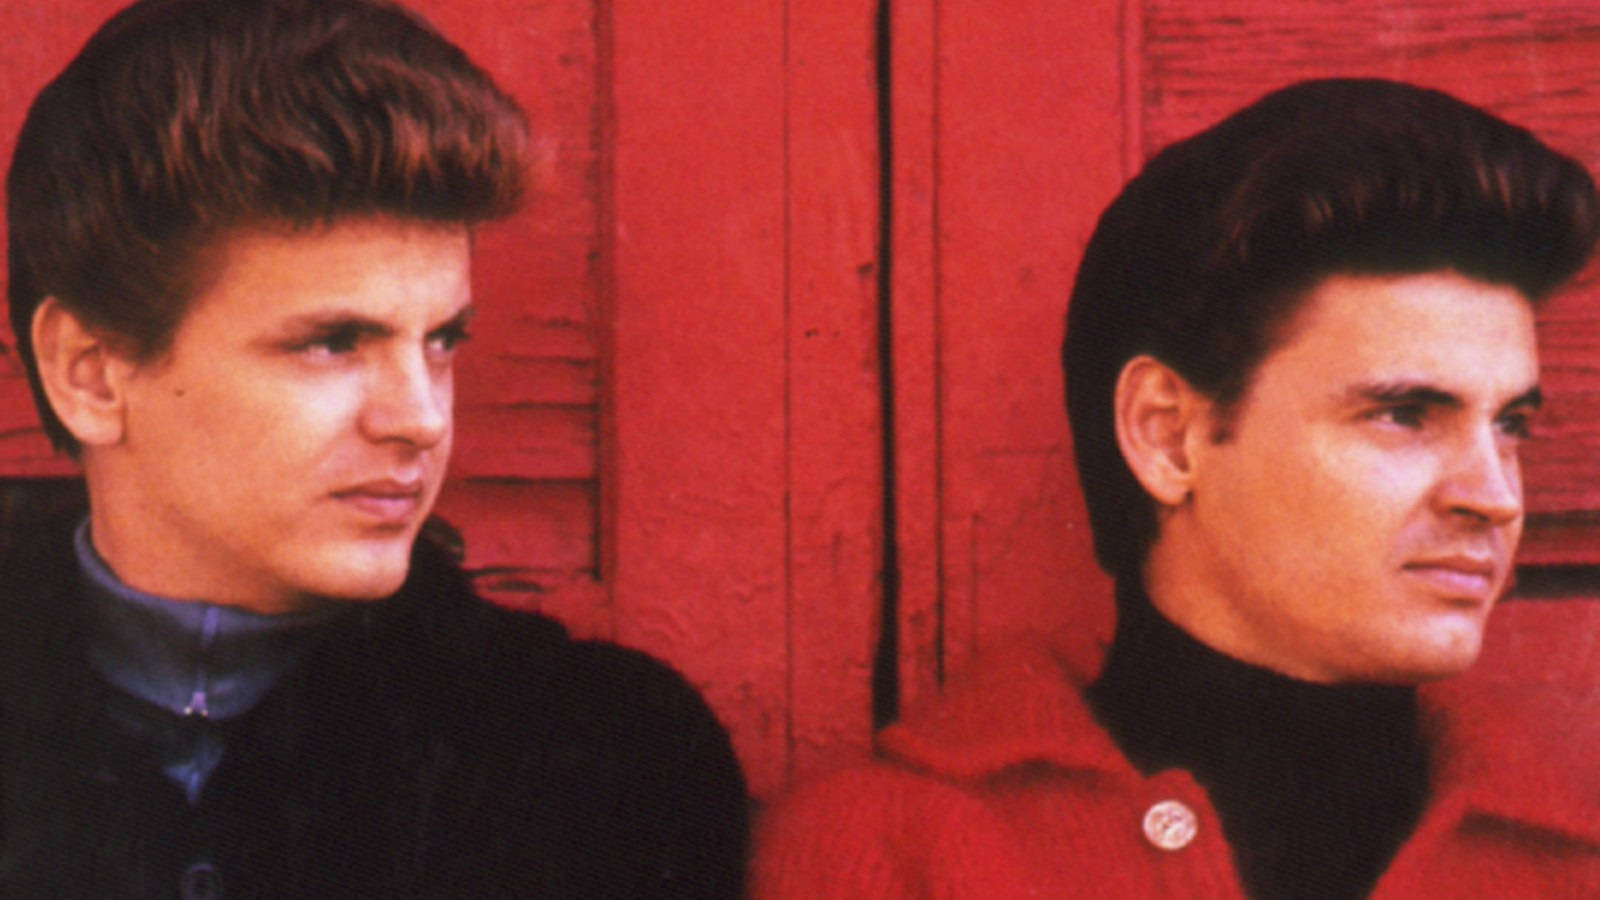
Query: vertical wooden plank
[[914, 340], [698, 356], [744, 464], [1031, 148], [835, 468]]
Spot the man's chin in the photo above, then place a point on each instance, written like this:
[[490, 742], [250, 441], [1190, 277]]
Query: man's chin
[[367, 587], [1437, 663], [360, 574]]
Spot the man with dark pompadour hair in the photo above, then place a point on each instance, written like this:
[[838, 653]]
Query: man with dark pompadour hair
[[239, 275], [1300, 362]]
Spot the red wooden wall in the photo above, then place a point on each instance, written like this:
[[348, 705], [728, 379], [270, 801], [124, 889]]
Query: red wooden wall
[[745, 492], [1008, 141], [693, 347]]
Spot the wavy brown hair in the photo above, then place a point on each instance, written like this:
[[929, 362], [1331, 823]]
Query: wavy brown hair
[[181, 120]]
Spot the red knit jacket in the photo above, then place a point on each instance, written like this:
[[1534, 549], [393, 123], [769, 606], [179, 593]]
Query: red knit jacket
[[1005, 786]]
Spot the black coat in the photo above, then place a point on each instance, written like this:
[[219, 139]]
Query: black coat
[[432, 745]]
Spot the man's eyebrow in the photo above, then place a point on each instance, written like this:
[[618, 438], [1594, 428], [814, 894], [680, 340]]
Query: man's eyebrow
[[334, 320], [461, 319], [361, 324], [1532, 398], [1401, 393]]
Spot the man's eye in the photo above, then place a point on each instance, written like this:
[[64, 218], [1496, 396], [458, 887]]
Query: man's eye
[[332, 343], [1406, 415], [1516, 425], [447, 339]]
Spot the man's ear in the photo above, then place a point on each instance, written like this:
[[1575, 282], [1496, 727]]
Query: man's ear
[[1159, 417], [82, 376]]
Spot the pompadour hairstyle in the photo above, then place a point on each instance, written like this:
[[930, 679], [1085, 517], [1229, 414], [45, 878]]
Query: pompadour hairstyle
[[182, 119], [1217, 241]]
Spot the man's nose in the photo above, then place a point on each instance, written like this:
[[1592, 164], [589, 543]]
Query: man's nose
[[408, 400], [1484, 479]]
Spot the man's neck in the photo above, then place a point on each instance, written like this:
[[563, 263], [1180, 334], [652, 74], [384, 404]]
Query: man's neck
[[1315, 784]]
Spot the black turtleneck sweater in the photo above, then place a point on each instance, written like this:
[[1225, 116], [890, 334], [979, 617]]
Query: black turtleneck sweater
[[1316, 785]]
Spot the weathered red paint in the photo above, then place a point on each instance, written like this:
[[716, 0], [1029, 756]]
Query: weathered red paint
[[914, 342], [697, 377], [745, 399], [1008, 139], [834, 403]]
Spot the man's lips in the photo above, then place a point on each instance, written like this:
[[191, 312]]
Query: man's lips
[[388, 500], [1463, 576]]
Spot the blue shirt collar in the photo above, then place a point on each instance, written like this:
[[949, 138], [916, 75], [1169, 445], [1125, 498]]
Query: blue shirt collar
[[188, 657]]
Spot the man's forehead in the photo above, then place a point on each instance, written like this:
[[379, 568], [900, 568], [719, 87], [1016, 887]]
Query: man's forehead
[[368, 275], [1438, 332]]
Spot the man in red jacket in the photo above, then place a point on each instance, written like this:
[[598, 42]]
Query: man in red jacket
[[1300, 362]]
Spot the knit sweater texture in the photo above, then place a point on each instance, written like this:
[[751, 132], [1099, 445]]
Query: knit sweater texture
[[1006, 786]]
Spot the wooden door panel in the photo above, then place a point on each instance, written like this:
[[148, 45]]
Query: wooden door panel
[[1008, 129], [745, 509]]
